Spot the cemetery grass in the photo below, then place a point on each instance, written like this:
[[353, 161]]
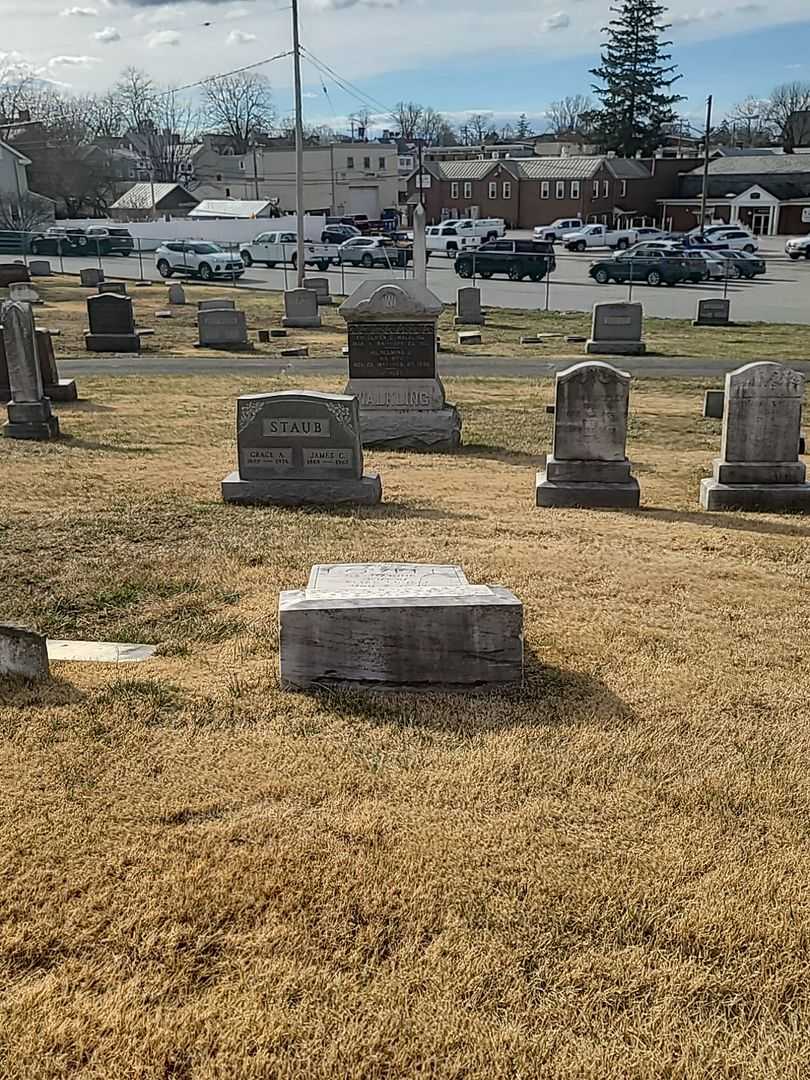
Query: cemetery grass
[[65, 309], [602, 874]]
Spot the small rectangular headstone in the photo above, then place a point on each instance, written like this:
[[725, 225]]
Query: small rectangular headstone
[[177, 294], [616, 328], [222, 328], [39, 268], [23, 653], [215, 304], [468, 307], [714, 311], [91, 277], [117, 287], [301, 309], [713, 404], [109, 313], [320, 286]]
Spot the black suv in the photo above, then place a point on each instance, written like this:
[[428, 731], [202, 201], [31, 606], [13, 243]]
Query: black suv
[[651, 268], [336, 234], [517, 259]]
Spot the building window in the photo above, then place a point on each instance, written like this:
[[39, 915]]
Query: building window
[[241, 164], [623, 189], [596, 189], [467, 189], [349, 162], [559, 192], [454, 190], [545, 190], [366, 162], [605, 189], [493, 189], [227, 193], [219, 177], [507, 189], [382, 162], [575, 189]]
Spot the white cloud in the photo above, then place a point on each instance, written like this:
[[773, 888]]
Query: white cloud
[[73, 61], [239, 37], [107, 35], [83, 12], [560, 21], [239, 13], [163, 37]]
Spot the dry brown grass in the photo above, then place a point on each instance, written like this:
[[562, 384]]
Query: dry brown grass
[[65, 309], [603, 874]]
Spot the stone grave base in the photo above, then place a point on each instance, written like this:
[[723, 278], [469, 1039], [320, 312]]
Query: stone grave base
[[31, 420], [464, 638], [312, 323], [587, 484], [432, 430], [64, 390], [615, 348], [226, 346], [717, 496], [365, 491], [713, 322], [124, 343], [461, 320]]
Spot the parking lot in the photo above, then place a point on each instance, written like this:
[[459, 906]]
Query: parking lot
[[781, 296]]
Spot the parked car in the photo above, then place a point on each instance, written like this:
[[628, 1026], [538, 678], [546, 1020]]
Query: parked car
[[732, 237], [197, 258], [371, 251], [61, 241], [596, 236], [274, 248], [484, 228], [109, 240], [748, 266], [560, 229], [449, 239], [336, 234], [797, 247], [515, 258], [695, 259], [652, 268], [650, 232], [717, 264]]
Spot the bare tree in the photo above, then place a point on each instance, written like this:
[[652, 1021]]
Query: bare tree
[[566, 115], [106, 115], [408, 117], [789, 111], [16, 85], [240, 106], [479, 124], [136, 96], [26, 214], [749, 121], [360, 122], [166, 147]]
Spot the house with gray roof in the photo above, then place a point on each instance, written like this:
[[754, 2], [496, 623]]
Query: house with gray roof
[[147, 201]]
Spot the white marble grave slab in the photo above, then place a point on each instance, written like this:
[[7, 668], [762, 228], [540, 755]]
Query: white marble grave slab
[[99, 652]]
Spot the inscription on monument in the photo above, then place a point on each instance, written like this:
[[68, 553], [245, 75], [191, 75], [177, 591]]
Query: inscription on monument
[[392, 350], [295, 427]]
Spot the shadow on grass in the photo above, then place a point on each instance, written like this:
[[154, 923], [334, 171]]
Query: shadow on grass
[[741, 521], [111, 448], [52, 691], [500, 453]]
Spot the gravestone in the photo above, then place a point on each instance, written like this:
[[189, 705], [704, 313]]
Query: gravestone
[[53, 387], [299, 448], [468, 307], [29, 411], [392, 368], [616, 329], [39, 268], [11, 272], [22, 293], [112, 324], [23, 653], [177, 294], [301, 309], [759, 467], [320, 286], [222, 328], [375, 626], [117, 287], [91, 277], [588, 465], [216, 304], [712, 312], [713, 404]]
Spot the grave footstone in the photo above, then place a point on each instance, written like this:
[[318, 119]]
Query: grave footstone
[[616, 329], [392, 368], [320, 286], [468, 307], [91, 277], [222, 328], [299, 448], [119, 288], [588, 466], [39, 268], [301, 309], [23, 293], [216, 304], [177, 294], [712, 312], [23, 653], [713, 404], [759, 467], [402, 626], [29, 411], [112, 324]]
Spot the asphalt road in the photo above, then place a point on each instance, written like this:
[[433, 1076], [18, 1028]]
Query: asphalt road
[[782, 295]]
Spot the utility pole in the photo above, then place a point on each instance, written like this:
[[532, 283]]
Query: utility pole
[[421, 191], [299, 148], [332, 173], [705, 191]]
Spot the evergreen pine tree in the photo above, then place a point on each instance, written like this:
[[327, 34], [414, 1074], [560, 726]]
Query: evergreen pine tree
[[523, 129], [636, 98]]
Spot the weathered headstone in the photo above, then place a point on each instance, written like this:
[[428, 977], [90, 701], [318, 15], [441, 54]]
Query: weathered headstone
[[713, 312], [39, 268], [468, 307], [713, 404], [301, 309], [23, 653], [320, 286], [216, 304], [222, 328], [177, 294], [11, 272], [22, 293], [372, 626], [29, 411], [91, 277], [117, 287], [54, 388], [112, 324], [392, 367], [616, 329], [759, 467], [588, 466], [299, 448]]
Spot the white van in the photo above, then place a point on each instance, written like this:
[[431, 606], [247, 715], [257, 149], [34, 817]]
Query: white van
[[484, 228]]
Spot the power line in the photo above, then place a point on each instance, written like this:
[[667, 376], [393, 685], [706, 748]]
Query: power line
[[348, 87], [225, 74]]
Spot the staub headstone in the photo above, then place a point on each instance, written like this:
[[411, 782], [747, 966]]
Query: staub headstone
[[617, 329], [714, 311], [299, 448], [372, 626], [759, 467], [392, 367], [54, 388], [468, 307], [588, 466], [222, 328], [301, 309], [112, 324], [29, 411]]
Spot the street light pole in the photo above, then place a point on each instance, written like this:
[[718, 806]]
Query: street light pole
[[299, 148], [705, 189]]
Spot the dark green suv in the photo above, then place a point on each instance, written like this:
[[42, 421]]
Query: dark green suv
[[517, 259], [647, 267]]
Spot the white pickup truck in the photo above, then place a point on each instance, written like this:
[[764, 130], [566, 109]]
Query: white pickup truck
[[600, 236], [273, 248], [449, 238]]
